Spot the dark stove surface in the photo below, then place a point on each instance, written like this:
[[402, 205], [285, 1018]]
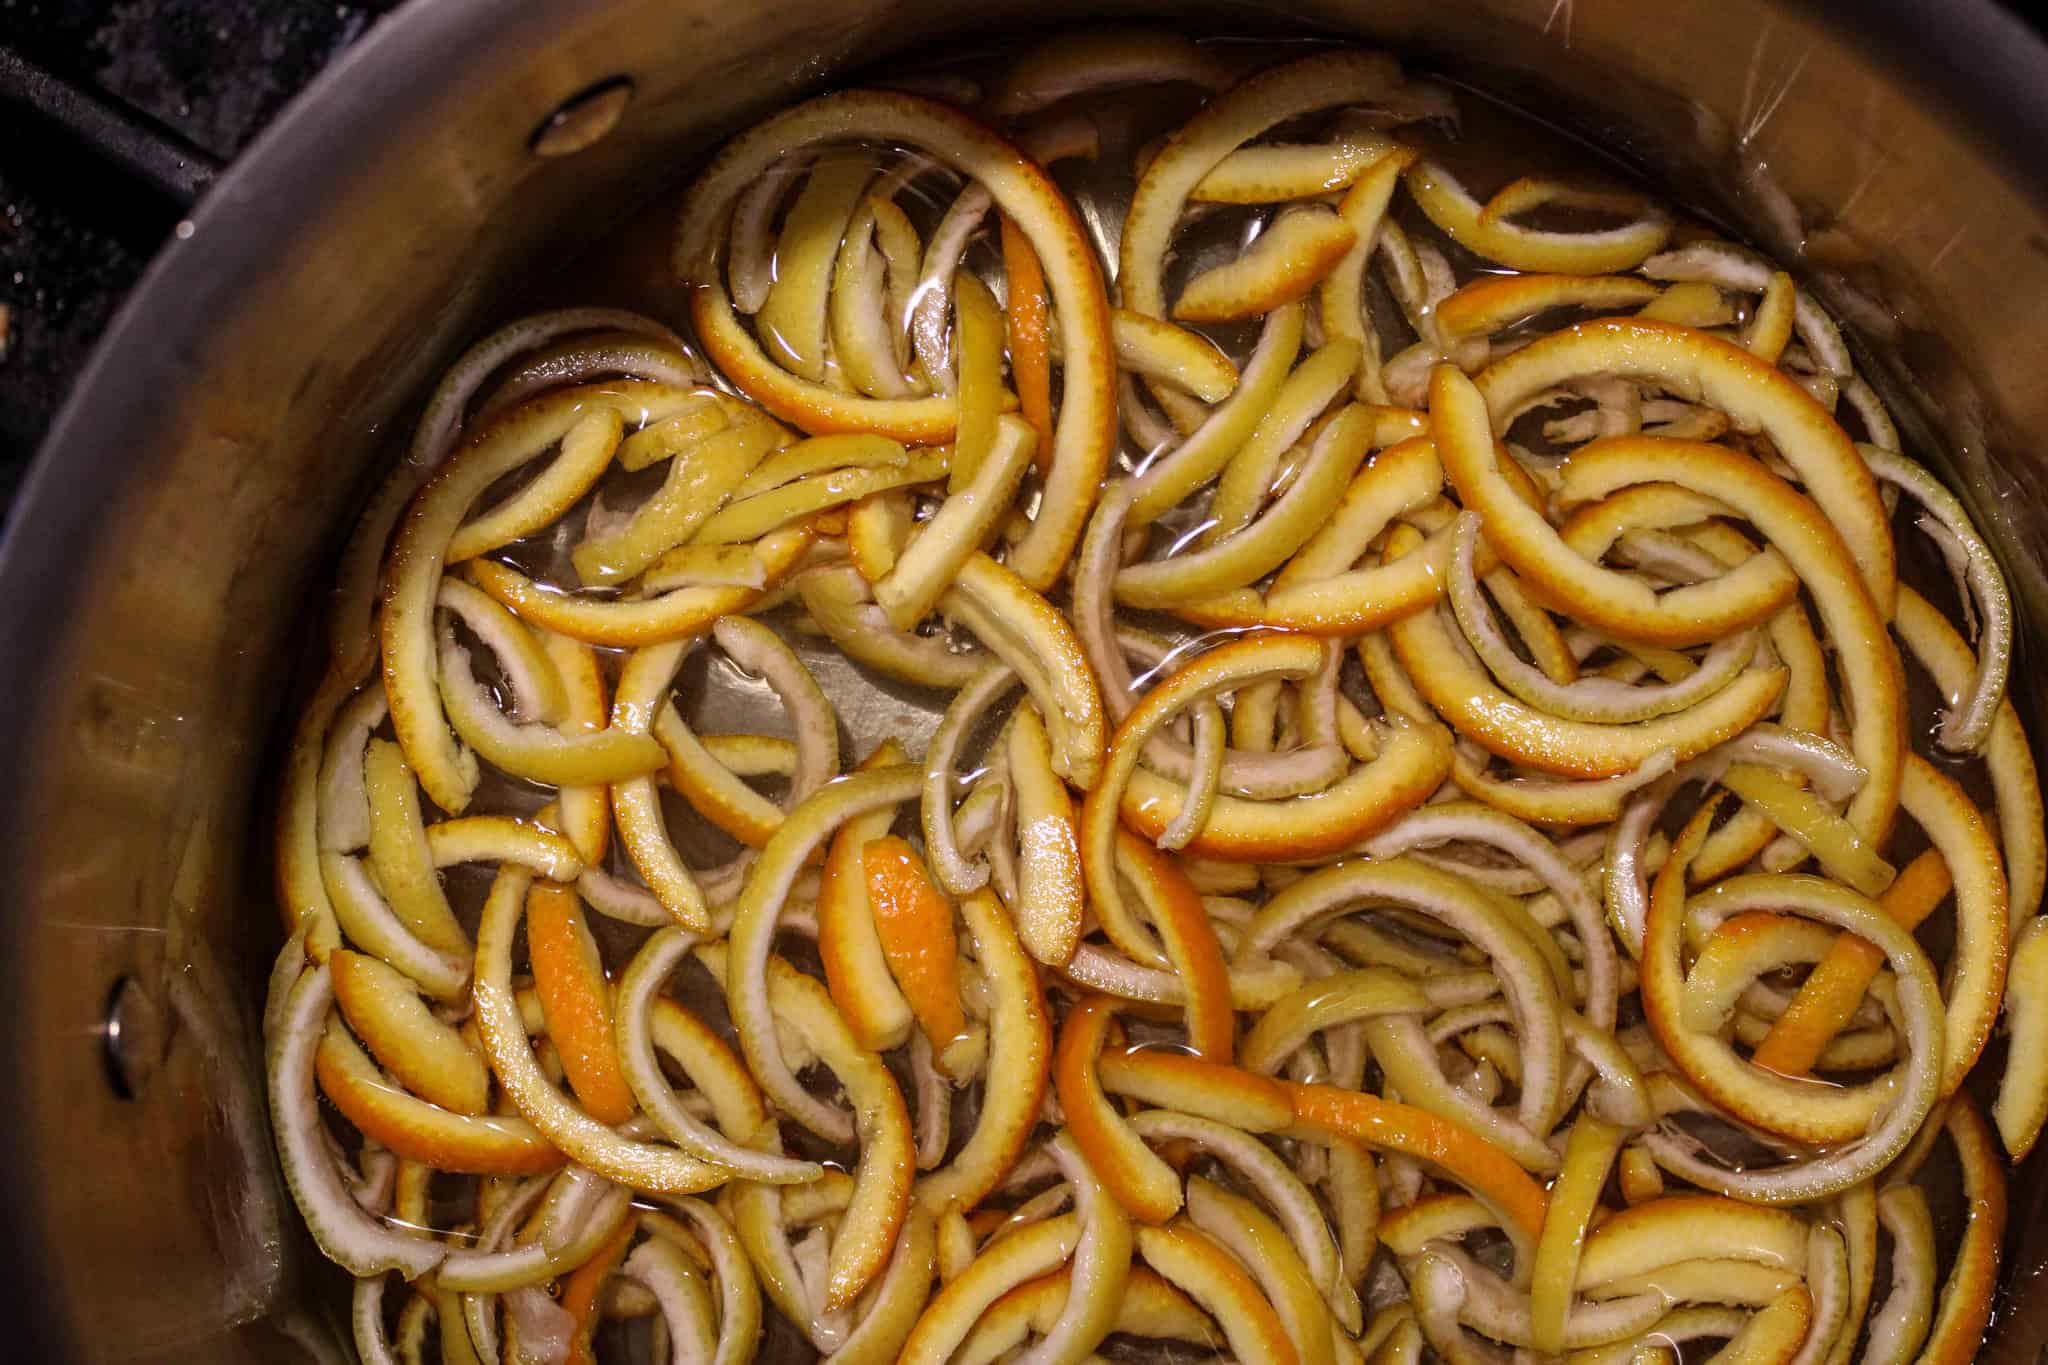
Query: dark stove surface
[[113, 115]]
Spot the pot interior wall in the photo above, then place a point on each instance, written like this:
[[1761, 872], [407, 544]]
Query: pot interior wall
[[163, 574]]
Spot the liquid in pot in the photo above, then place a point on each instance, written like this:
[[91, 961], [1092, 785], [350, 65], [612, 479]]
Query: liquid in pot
[[1383, 582]]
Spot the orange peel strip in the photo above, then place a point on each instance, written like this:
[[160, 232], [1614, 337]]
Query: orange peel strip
[[1755, 396], [882, 1177], [1160, 350], [1193, 1262], [1190, 944], [1341, 296], [864, 344], [963, 523], [1050, 903], [581, 419], [539, 692], [1493, 303], [2022, 1104], [810, 407], [631, 623], [856, 968], [1176, 1081], [1384, 1125], [297, 881], [368, 921], [698, 481], [1028, 323], [2008, 759], [576, 468], [898, 1298], [1612, 601], [1274, 173], [1018, 1071], [1150, 1308], [1168, 476], [647, 1023], [710, 411], [1225, 123], [1085, 432], [1968, 723], [838, 600], [1452, 208], [1322, 1003], [755, 918], [677, 1286], [1597, 699], [540, 753], [1318, 591], [580, 1287], [1251, 1235], [1001, 1267], [1811, 1112], [1742, 270], [1813, 824], [1034, 638], [482, 1144], [747, 519], [1770, 327], [1465, 695], [1964, 857], [1775, 1333], [1295, 417], [643, 689], [399, 853], [1100, 1272], [791, 320], [576, 1000], [957, 871], [1799, 529], [1589, 1154], [1253, 986], [1239, 664], [914, 924], [583, 1138], [1141, 1181], [1412, 763], [1453, 1291], [1297, 250], [585, 809], [427, 1055], [1685, 1227], [821, 455], [338, 1224], [1967, 1294], [978, 341], [1899, 1327]]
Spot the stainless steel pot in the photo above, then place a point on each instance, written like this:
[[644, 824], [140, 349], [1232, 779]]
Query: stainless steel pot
[[158, 577]]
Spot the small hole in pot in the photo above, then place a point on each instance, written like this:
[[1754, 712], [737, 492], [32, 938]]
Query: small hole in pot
[[131, 1037], [583, 119]]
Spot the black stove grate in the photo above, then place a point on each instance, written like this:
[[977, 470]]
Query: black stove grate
[[114, 114]]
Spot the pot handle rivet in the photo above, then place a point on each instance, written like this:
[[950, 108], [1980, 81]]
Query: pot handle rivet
[[582, 119], [131, 1038]]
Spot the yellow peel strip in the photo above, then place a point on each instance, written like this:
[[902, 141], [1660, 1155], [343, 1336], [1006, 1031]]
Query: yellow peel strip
[[958, 529], [755, 916]]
